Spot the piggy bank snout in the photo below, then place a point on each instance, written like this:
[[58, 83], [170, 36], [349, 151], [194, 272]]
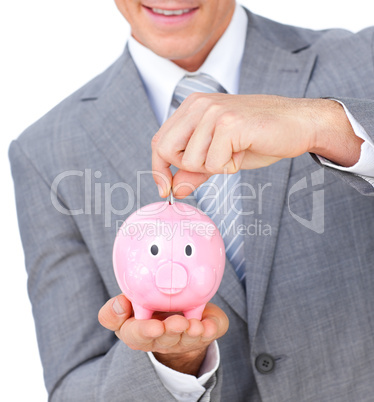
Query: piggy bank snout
[[171, 278]]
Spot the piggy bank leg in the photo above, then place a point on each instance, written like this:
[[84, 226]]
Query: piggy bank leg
[[195, 312], [141, 313]]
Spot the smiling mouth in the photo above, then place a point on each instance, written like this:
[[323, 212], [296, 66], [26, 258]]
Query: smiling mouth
[[170, 13]]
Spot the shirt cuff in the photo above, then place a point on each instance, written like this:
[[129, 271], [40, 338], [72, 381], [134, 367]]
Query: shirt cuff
[[186, 387], [365, 165]]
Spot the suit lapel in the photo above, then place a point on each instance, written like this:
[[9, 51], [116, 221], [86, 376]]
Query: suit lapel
[[118, 118], [267, 69]]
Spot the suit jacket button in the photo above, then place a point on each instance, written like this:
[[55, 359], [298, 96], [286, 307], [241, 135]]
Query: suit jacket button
[[264, 363]]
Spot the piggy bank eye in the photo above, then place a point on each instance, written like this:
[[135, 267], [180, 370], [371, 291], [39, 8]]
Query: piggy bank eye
[[154, 249], [189, 250]]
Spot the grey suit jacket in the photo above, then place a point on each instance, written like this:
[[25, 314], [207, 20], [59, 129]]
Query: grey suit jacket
[[309, 300]]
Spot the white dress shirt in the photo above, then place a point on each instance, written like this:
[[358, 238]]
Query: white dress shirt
[[160, 77], [365, 165]]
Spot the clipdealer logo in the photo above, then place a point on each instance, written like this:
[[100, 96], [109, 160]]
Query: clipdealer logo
[[317, 221], [95, 191]]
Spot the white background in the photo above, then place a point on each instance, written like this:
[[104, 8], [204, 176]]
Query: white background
[[49, 49]]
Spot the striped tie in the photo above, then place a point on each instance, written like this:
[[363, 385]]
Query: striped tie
[[195, 83], [219, 197]]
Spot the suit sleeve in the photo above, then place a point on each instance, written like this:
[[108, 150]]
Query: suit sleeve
[[352, 57], [82, 361], [363, 111]]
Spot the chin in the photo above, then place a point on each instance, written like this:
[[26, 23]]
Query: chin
[[180, 53], [174, 50]]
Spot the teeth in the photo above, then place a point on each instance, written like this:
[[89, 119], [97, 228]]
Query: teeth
[[170, 12]]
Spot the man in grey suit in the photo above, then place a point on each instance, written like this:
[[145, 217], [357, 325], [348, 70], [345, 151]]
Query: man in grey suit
[[301, 329]]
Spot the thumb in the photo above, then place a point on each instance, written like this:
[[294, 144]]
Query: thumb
[[115, 312], [184, 183]]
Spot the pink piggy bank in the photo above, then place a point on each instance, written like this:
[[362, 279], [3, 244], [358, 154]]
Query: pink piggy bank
[[168, 257]]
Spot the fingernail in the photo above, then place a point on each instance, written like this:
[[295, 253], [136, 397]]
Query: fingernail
[[160, 190], [118, 308]]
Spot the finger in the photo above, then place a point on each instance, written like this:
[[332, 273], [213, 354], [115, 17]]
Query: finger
[[115, 312], [195, 328], [184, 183], [141, 334], [162, 176], [219, 157], [195, 154], [215, 322], [167, 150], [169, 143], [192, 335], [161, 171], [175, 326], [210, 329]]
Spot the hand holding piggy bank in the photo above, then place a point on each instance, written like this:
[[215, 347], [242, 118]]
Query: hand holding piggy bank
[[168, 257]]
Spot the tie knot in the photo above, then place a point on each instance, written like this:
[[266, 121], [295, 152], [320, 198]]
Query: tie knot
[[195, 83]]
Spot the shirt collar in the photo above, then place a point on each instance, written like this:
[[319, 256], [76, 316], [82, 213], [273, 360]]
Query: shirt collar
[[160, 76]]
